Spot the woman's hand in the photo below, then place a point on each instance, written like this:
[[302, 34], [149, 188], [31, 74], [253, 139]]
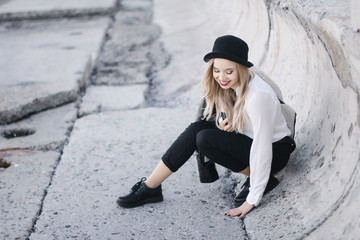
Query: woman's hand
[[226, 126], [242, 210]]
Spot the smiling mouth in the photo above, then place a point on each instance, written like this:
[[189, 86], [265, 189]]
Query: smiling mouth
[[224, 84]]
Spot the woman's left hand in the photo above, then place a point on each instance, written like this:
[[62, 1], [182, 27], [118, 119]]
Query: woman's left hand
[[242, 210], [226, 126]]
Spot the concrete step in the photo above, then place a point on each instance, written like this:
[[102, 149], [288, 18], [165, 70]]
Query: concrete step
[[48, 130], [112, 98], [46, 64], [15, 10]]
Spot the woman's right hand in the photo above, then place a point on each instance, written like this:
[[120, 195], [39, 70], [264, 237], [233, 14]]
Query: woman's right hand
[[226, 126], [240, 211]]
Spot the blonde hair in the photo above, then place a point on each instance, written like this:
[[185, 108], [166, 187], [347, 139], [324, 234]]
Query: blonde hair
[[226, 100]]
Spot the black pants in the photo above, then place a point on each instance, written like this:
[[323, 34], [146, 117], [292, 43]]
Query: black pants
[[231, 150]]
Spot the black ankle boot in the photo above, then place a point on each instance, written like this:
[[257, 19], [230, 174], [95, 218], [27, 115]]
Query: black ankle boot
[[273, 182], [207, 169], [241, 197], [141, 194]]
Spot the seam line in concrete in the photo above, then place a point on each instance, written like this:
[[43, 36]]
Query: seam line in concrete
[[85, 79], [320, 35], [36, 218], [244, 227], [267, 45]]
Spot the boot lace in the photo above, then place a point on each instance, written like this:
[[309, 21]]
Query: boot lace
[[138, 185]]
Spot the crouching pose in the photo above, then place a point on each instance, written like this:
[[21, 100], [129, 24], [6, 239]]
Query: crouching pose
[[247, 133]]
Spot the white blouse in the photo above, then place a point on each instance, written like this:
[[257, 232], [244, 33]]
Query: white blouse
[[265, 124]]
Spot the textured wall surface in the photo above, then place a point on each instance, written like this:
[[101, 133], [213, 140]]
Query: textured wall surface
[[310, 49]]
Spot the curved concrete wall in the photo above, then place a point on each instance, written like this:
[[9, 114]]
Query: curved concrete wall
[[310, 50]]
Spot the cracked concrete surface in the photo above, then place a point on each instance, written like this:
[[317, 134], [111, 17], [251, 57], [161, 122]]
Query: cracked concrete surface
[[63, 52]]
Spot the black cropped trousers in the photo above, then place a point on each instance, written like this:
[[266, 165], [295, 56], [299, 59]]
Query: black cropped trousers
[[229, 149]]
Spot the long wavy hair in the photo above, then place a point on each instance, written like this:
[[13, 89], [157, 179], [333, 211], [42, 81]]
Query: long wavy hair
[[226, 100]]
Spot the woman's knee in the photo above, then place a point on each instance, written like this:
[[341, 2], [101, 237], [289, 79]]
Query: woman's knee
[[195, 127], [202, 139], [281, 156]]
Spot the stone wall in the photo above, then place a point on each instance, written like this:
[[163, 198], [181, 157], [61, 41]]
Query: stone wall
[[311, 51]]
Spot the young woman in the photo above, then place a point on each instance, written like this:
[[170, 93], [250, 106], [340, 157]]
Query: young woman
[[249, 134]]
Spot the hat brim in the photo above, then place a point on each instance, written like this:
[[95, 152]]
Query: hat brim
[[227, 56]]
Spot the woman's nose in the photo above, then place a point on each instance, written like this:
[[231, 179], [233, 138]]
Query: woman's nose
[[222, 76]]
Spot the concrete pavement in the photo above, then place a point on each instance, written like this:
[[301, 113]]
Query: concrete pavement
[[51, 68], [113, 156]]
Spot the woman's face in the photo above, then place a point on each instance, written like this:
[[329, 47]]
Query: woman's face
[[225, 73]]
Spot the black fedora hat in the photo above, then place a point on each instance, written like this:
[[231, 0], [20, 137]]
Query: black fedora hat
[[231, 48]]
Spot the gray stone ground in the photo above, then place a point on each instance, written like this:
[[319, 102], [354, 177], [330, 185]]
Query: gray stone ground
[[112, 156], [51, 68]]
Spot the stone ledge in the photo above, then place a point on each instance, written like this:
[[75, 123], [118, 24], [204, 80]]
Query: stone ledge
[[51, 69], [39, 9]]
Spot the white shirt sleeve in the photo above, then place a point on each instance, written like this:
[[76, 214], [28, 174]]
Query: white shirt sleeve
[[261, 111]]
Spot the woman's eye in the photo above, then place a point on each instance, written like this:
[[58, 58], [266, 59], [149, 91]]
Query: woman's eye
[[216, 71], [229, 72]]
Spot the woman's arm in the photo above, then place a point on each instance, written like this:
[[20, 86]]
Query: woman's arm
[[261, 111]]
